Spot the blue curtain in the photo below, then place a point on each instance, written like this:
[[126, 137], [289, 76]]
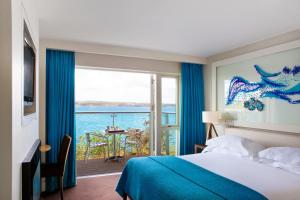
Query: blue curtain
[[192, 130], [60, 106]]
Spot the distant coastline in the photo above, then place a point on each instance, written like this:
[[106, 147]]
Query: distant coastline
[[105, 103]]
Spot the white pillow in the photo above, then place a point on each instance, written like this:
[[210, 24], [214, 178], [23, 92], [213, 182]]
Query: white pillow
[[232, 144], [222, 150], [287, 167], [283, 155]]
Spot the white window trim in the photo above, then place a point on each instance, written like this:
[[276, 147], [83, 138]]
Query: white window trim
[[156, 125]]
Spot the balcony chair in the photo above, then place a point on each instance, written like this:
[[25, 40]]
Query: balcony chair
[[133, 139], [58, 169], [91, 145]]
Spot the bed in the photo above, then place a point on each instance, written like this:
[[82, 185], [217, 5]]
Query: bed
[[273, 183], [207, 175]]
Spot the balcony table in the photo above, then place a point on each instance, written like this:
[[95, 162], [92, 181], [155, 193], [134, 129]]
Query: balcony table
[[114, 133]]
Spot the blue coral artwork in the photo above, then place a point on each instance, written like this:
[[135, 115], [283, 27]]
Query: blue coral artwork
[[283, 85], [254, 104]]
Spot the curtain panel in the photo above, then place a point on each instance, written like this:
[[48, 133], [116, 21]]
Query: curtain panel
[[60, 111], [192, 130]]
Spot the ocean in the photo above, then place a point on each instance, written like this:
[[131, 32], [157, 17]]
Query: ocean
[[129, 119]]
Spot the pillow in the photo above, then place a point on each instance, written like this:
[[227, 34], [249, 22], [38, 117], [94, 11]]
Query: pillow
[[232, 144], [222, 150], [287, 167], [283, 155]]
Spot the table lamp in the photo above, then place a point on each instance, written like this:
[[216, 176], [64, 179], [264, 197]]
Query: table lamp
[[211, 118]]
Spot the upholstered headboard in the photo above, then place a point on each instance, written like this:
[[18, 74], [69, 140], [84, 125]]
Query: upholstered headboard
[[265, 137]]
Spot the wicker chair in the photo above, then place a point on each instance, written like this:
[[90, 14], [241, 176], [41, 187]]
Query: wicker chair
[[133, 139], [91, 145]]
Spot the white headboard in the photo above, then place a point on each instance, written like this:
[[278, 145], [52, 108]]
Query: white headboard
[[265, 137]]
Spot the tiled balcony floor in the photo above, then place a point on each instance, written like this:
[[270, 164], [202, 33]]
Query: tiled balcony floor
[[99, 166]]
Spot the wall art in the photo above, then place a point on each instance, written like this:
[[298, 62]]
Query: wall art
[[261, 90]]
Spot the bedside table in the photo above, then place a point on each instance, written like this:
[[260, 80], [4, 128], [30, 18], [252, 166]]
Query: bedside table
[[199, 148]]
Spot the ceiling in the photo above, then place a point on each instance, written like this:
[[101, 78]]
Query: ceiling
[[189, 27]]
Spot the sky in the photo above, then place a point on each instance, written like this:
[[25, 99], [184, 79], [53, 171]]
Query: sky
[[117, 86]]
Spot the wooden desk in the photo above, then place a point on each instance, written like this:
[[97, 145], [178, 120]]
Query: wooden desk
[[44, 148]]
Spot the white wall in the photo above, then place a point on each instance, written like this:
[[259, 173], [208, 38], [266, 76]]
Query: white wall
[[127, 63], [18, 138], [23, 136], [112, 50]]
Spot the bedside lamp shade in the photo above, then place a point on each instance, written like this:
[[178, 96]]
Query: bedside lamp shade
[[211, 117]]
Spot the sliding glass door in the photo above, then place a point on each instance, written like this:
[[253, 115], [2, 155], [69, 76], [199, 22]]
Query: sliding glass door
[[165, 115], [169, 116], [113, 119], [120, 115]]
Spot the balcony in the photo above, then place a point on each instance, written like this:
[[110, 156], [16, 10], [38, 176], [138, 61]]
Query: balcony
[[95, 145]]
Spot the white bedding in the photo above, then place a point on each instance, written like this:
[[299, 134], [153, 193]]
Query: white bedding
[[273, 183]]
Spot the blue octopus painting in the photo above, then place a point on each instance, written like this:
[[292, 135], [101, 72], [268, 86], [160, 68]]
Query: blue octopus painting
[[283, 85]]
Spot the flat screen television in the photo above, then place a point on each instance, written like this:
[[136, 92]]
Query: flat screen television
[[29, 68], [29, 73]]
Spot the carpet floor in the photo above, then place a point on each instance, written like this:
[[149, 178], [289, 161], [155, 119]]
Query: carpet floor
[[100, 188]]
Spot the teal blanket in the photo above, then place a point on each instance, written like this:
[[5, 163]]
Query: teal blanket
[[172, 178]]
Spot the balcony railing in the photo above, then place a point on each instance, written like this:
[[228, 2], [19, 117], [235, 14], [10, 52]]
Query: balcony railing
[[98, 121]]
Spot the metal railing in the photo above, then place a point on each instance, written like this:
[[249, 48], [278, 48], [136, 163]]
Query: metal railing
[[168, 122], [115, 114]]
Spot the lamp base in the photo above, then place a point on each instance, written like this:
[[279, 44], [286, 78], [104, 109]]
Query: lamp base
[[209, 134]]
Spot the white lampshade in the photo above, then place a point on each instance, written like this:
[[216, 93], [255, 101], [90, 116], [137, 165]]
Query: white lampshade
[[211, 117]]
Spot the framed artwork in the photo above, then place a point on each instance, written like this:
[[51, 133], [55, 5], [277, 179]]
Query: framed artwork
[[262, 89]]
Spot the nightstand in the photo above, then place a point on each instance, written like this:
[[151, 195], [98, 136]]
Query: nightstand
[[199, 148]]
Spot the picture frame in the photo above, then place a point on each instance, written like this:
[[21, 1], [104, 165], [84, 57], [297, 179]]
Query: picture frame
[[243, 121]]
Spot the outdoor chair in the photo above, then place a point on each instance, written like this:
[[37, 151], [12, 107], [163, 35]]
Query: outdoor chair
[[133, 139], [96, 144]]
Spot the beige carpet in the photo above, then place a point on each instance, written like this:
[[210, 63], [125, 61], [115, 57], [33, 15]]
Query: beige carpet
[[102, 187]]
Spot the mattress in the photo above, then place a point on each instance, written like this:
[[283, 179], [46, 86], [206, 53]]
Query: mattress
[[273, 183]]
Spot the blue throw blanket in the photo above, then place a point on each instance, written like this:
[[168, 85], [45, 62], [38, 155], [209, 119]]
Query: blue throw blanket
[[172, 178]]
